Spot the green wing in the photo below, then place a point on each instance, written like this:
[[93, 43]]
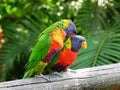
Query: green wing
[[39, 51]]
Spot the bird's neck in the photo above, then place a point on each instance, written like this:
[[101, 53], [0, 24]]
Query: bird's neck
[[68, 43], [65, 23]]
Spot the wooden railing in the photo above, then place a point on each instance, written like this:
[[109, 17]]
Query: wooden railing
[[96, 78]]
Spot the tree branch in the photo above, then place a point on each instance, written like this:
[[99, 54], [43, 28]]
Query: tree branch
[[96, 78]]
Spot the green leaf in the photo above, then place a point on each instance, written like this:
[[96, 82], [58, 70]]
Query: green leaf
[[103, 48]]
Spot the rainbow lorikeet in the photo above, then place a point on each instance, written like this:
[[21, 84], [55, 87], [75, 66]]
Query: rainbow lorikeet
[[48, 44], [67, 55]]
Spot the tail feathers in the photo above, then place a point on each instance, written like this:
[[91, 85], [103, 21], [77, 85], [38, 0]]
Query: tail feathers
[[28, 74]]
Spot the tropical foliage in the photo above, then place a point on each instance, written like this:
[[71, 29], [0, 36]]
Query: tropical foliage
[[23, 20]]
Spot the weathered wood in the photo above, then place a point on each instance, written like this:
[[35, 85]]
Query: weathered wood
[[97, 78]]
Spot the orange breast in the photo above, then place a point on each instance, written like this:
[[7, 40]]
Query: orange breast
[[67, 57]]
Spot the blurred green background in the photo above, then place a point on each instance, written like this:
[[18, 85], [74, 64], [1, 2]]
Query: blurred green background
[[21, 21]]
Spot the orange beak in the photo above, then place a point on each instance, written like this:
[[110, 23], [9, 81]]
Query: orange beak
[[84, 44]]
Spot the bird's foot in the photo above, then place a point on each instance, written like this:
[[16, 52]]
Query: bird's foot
[[57, 73], [42, 76]]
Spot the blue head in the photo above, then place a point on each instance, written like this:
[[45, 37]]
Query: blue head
[[70, 27], [78, 42]]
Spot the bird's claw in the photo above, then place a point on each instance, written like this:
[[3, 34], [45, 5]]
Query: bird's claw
[[42, 76], [57, 73]]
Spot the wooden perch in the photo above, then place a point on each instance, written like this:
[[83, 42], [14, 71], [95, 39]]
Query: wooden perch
[[97, 78]]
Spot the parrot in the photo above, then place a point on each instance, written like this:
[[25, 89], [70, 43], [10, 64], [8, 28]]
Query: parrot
[[67, 55], [48, 44]]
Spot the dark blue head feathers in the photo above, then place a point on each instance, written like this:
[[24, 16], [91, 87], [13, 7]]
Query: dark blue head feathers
[[77, 42]]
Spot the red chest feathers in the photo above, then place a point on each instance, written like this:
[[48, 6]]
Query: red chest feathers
[[67, 57]]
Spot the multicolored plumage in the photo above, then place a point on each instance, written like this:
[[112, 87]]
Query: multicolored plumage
[[48, 44], [67, 55]]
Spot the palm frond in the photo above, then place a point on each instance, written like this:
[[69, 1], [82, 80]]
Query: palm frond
[[103, 48], [91, 16]]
